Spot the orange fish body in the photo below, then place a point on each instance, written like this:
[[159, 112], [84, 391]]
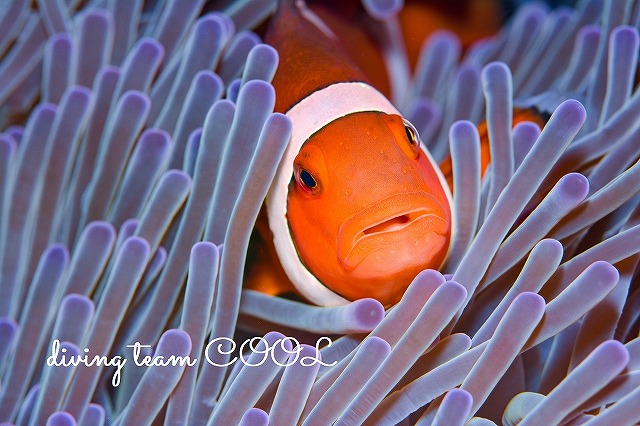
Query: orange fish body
[[357, 207]]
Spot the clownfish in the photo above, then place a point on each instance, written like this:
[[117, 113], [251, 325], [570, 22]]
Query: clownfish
[[358, 206]]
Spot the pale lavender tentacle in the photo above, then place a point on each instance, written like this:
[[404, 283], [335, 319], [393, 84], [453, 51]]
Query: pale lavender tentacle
[[72, 320], [625, 411], [255, 103], [438, 55], [127, 271], [8, 150], [247, 14], [273, 140], [23, 58], [444, 351], [261, 368], [622, 155], [233, 89], [558, 359], [397, 320], [541, 263], [511, 333], [191, 152], [599, 324], [294, 387], [126, 15], [525, 28], [612, 250], [382, 9], [154, 268], [607, 199], [158, 381], [139, 68], [94, 416], [360, 316], [95, 41], [71, 118], [586, 291], [613, 16], [15, 224], [466, 100], [24, 414], [621, 67], [423, 390], [201, 52], [121, 131], [203, 267], [568, 193], [329, 405], [54, 378], [524, 136], [557, 134], [13, 20], [549, 67], [103, 90], [608, 360], [32, 333], [216, 128], [54, 15], [173, 23], [454, 410], [552, 24], [498, 90], [148, 158], [261, 64], [576, 76], [90, 258], [426, 327], [465, 158], [8, 332], [235, 55], [61, 418], [255, 417], [57, 67], [205, 89]]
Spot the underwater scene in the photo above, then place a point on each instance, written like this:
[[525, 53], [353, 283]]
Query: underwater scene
[[308, 212]]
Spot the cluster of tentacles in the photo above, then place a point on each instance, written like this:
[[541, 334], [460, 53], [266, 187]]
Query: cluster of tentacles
[[137, 144]]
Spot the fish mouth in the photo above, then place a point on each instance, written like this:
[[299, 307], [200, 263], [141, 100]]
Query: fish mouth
[[402, 226]]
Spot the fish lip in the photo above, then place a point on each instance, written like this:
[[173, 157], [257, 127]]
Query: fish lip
[[401, 211]]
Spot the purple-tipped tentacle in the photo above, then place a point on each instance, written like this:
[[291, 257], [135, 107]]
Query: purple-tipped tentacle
[[169, 361], [260, 368], [206, 88], [202, 52], [203, 267], [360, 316], [465, 157], [57, 67], [95, 41], [32, 334], [127, 271]]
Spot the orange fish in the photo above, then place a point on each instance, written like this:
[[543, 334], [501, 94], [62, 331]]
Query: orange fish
[[358, 207]]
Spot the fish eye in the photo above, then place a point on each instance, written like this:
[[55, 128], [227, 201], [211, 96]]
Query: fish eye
[[306, 180], [412, 136]]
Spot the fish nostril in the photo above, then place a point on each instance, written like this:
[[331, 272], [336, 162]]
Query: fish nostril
[[387, 225]]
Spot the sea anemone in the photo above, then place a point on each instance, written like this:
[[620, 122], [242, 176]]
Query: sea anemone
[[138, 142]]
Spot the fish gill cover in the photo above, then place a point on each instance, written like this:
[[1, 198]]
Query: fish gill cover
[[131, 175]]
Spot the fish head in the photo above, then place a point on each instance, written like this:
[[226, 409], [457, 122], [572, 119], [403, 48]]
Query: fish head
[[366, 208]]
